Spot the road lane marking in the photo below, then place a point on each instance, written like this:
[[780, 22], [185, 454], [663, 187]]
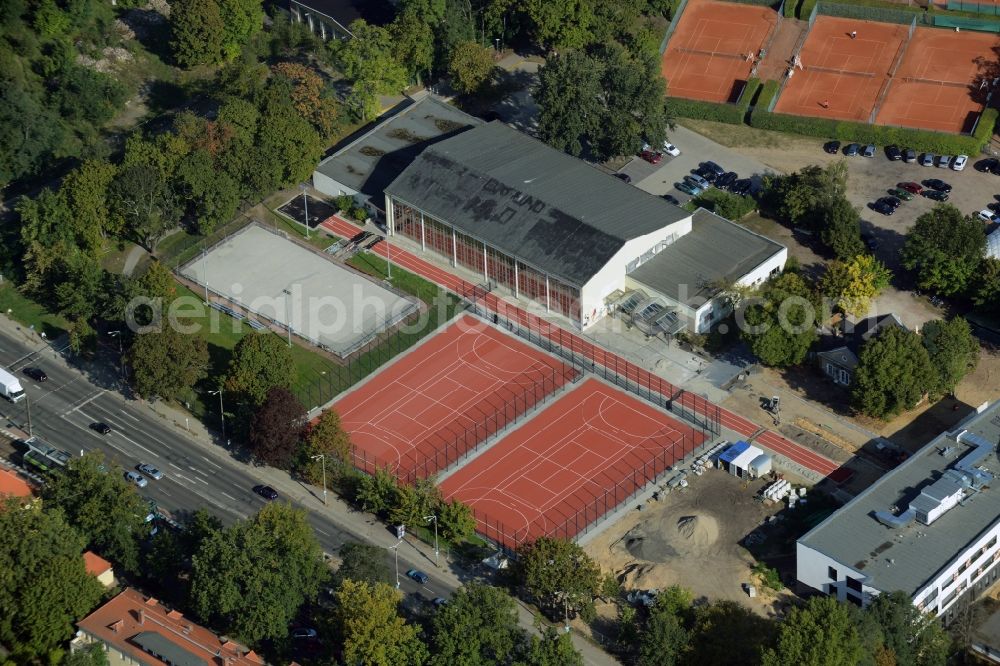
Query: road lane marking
[[211, 463], [77, 408], [128, 416], [173, 465], [223, 492], [322, 531]]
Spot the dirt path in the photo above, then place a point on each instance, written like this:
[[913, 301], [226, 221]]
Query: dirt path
[[779, 53]]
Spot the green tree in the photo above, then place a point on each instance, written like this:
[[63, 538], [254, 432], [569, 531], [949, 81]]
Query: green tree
[[804, 198], [166, 363], [92, 655], [822, 633], [44, 587], [985, 288], [327, 437], [168, 560], [855, 283], [557, 572], [252, 578], [841, 229], [276, 428], [371, 631], [478, 625], [553, 648], [362, 563], [288, 143], [561, 24], [88, 95], [368, 60], [241, 20], [412, 503], [210, 196], [894, 372], [310, 97], [780, 325], [103, 506], [197, 32], [727, 633], [377, 492], [82, 288], [944, 249], [953, 351], [470, 66], [86, 191], [908, 634], [142, 199], [455, 520], [568, 98], [259, 363], [664, 640], [413, 42]]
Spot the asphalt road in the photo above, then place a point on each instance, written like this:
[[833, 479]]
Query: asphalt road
[[64, 407]]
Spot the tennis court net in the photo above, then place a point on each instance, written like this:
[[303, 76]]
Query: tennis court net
[[714, 54], [847, 72], [935, 82]]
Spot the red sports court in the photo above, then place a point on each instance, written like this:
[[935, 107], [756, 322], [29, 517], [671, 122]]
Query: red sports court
[[571, 464], [712, 50], [432, 405], [939, 84], [841, 76]]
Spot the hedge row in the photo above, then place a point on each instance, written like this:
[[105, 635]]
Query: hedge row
[[919, 140], [734, 114], [790, 8], [805, 9], [767, 93]]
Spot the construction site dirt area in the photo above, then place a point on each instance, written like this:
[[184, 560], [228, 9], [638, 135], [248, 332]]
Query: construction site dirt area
[[692, 538]]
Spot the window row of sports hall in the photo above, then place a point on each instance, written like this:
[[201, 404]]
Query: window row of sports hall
[[550, 228]]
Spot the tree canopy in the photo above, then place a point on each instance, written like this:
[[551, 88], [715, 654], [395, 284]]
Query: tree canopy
[[166, 362], [259, 363], [557, 572], [362, 563], [893, 374], [855, 283], [780, 325], [944, 248], [953, 351], [478, 625], [822, 633], [371, 630], [276, 428]]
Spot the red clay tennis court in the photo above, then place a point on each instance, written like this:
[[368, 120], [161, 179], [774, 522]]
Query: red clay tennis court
[[842, 76], [707, 56], [569, 465], [434, 404], [937, 85]]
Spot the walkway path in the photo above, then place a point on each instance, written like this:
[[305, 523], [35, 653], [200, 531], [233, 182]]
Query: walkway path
[[569, 340]]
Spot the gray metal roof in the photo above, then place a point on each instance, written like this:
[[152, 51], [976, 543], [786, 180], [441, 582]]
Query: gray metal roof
[[917, 552], [370, 162], [517, 194], [166, 649], [714, 250]]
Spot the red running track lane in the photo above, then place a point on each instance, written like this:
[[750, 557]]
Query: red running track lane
[[427, 409], [801, 455], [569, 466]]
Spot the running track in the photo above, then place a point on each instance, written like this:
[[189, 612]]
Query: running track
[[798, 454]]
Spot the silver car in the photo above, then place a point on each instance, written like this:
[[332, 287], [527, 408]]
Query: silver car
[[136, 478], [944, 161], [927, 159], [150, 471]]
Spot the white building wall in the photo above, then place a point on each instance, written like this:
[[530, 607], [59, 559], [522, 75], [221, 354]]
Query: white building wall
[[813, 569], [612, 276], [331, 187], [963, 572]]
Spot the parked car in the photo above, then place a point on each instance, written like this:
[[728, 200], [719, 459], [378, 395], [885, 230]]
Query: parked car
[[150, 471], [851, 149], [36, 373], [909, 156], [624, 177], [267, 492], [891, 201], [913, 188], [741, 187], [987, 215], [688, 188], [708, 174], [868, 151], [944, 161], [986, 164], [726, 179], [440, 601], [101, 427], [418, 576], [927, 159], [670, 149], [937, 184], [651, 156], [714, 167], [960, 162], [831, 147], [893, 153], [138, 479], [695, 179], [901, 194], [304, 632], [672, 199], [882, 207], [936, 195]]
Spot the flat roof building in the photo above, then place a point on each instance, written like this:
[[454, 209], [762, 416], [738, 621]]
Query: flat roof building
[[929, 527]]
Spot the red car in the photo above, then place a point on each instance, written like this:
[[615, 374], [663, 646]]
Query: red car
[[912, 188], [651, 156]]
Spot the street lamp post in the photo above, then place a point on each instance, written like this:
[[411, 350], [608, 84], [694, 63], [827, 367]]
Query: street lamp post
[[222, 412], [288, 313], [435, 519], [305, 202], [395, 549], [322, 459]]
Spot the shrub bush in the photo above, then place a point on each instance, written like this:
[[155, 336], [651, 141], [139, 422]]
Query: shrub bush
[[791, 6], [734, 114], [767, 93], [880, 135], [344, 203], [805, 9], [724, 204]]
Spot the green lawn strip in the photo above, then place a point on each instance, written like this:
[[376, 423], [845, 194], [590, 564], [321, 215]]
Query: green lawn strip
[[29, 313]]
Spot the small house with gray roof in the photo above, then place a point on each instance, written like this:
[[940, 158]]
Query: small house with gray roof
[[555, 230], [930, 527]]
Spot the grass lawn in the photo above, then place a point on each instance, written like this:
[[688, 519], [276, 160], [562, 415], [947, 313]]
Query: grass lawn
[[28, 313], [744, 136], [411, 283]]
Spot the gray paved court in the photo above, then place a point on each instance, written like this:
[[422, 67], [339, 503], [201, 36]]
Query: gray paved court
[[277, 279]]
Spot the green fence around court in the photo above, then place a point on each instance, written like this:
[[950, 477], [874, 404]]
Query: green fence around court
[[674, 20], [980, 25], [987, 8], [901, 14]]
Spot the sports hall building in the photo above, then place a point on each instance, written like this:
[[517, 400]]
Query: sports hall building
[[579, 242]]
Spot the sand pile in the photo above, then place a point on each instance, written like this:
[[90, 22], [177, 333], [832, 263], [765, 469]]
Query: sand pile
[[685, 535]]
